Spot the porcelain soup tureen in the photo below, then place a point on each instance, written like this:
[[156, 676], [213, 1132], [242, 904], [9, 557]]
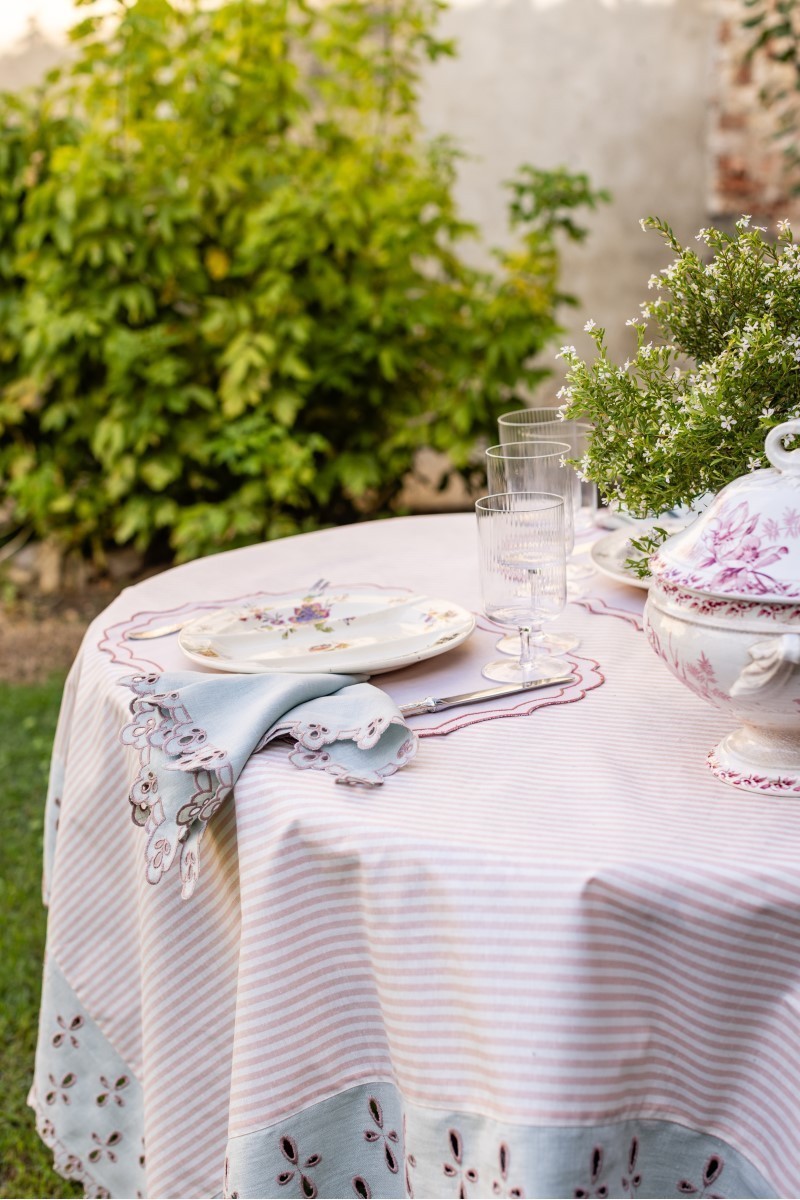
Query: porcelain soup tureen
[[723, 612]]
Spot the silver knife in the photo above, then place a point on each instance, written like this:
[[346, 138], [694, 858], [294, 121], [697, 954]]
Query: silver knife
[[434, 704]]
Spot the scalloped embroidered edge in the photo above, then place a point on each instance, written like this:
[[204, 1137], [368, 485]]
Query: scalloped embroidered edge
[[608, 610], [64, 1164], [315, 758], [160, 717]]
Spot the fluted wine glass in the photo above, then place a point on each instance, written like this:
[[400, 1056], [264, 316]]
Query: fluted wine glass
[[535, 466], [537, 424], [523, 577]]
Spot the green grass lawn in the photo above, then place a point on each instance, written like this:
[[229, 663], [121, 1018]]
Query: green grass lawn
[[27, 724]]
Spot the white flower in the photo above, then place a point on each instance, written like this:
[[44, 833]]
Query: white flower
[[633, 321], [728, 422], [753, 464], [784, 226], [643, 224], [589, 326], [767, 412], [744, 221], [566, 352]]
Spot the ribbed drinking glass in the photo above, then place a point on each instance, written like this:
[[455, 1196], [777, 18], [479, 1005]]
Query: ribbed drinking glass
[[535, 424], [536, 466], [523, 576]]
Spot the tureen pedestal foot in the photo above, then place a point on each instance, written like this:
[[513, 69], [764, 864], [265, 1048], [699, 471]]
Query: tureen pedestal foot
[[759, 760]]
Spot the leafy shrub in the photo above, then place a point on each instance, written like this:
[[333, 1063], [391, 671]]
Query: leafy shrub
[[231, 300]]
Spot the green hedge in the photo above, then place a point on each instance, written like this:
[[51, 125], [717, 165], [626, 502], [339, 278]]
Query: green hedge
[[232, 303]]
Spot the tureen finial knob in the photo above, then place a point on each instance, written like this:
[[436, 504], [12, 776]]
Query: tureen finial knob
[[784, 460]]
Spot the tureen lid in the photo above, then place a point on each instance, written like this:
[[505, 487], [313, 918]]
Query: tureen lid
[[746, 545]]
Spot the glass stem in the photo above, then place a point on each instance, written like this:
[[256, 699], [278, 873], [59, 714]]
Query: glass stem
[[528, 634], [528, 651]]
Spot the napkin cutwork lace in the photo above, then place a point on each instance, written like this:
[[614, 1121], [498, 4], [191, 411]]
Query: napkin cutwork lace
[[167, 738], [163, 723], [311, 739]]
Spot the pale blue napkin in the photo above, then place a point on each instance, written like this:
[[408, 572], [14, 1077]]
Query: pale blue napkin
[[194, 733]]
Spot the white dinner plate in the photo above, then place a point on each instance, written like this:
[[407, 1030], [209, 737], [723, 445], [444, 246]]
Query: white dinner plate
[[609, 553], [343, 630]]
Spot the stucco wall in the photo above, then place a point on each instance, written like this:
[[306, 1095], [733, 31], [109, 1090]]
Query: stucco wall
[[620, 90]]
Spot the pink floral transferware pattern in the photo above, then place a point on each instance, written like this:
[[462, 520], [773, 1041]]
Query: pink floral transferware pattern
[[698, 675], [733, 553], [788, 785], [712, 606]]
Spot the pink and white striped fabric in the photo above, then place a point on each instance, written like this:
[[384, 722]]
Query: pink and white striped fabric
[[552, 956]]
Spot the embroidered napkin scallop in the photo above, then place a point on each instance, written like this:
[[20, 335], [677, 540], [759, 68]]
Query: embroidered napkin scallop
[[194, 733]]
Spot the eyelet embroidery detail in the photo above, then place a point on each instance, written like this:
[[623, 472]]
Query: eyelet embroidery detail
[[388, 1138], [595, 1187], [456, 1169], [291, 1153]]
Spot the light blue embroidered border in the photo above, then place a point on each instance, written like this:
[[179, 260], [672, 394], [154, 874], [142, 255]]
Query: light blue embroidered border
[[364, 1142], [88, 1105], [367, 1142]]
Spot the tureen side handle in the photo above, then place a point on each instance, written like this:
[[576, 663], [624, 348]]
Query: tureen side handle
[[772, 663]]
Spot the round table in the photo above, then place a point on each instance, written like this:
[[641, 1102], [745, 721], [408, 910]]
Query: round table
[[551, 956]]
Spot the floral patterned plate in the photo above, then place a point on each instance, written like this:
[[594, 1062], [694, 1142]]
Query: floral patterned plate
[[338, 630]]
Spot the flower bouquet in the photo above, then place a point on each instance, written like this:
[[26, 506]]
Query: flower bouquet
[[717, 364]]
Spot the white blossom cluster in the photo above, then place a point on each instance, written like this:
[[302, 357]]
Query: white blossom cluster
[[717, 364]]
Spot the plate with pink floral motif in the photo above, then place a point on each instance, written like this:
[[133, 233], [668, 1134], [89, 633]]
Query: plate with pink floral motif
[[347, 630]]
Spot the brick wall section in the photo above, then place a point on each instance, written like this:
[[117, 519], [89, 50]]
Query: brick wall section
[[747, 170]]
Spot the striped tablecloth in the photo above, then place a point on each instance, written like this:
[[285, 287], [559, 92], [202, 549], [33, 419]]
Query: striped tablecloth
[[552, 957]]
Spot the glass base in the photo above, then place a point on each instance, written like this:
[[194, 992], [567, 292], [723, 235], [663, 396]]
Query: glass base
[[550, 643], [579, 572], [506, 671]]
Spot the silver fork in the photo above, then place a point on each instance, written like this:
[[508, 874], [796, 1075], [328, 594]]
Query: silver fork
[[143, 635]]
